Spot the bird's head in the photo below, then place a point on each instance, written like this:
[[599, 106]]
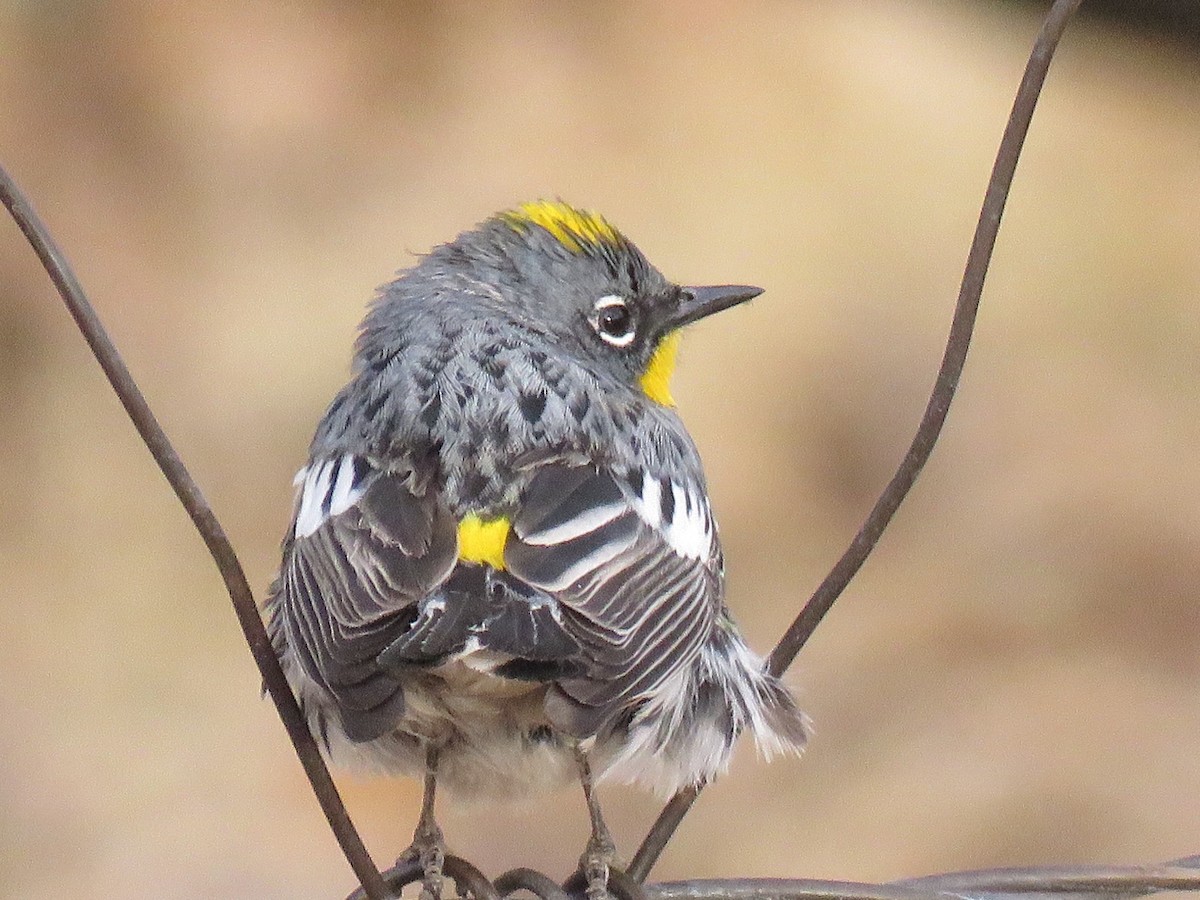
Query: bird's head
[[570, 274]]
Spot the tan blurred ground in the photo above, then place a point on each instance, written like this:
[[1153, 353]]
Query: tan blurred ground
[[1013, 679]]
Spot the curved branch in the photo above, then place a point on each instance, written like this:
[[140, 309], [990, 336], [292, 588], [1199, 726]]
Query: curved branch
[[206, 523], [953, 360]]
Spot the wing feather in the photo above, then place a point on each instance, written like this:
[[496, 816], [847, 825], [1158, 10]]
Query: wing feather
[[638, 588], [612, 585], [366, 549]]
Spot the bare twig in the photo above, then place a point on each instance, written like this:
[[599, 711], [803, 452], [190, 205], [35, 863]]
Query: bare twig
[[1047, 883], [922, 445], [1076, 881], [532, 881], [1061, 882], [206, 523]]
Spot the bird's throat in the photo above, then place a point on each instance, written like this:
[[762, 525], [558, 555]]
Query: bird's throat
[[656, 380]]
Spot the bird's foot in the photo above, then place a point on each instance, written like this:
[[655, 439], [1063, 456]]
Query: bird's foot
[[428, 848], [599, 856]]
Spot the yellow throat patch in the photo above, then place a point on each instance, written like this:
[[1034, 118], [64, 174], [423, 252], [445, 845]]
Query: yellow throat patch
[[575, 229], [656, 380], [483, 542]]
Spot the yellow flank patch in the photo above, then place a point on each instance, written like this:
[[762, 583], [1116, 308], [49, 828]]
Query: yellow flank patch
[[571, 227], [656, 380], [483, 542]]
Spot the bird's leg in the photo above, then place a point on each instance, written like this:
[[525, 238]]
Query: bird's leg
[[601, 852], [428, 845]]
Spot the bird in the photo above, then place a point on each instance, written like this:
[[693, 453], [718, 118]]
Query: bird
[[503, 572]]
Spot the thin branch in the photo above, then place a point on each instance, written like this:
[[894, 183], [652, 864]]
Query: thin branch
[[1046, 882], [1107, 881], [953, 360], [1075, 882], [784, 889], [206, 523], [957, 344]]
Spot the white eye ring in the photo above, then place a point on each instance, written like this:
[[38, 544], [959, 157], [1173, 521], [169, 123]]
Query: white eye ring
[[614, 321]]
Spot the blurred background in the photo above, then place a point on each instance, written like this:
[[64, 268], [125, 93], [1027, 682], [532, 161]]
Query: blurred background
[[1014, 678]]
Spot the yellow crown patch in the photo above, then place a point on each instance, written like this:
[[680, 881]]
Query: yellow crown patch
[[575, 229]]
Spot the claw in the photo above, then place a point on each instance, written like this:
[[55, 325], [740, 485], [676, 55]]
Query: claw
[[595, 863], [431, 851]]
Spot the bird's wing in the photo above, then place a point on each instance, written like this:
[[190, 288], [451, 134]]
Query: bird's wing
[[611, 586], [366, 547], [634, 565]]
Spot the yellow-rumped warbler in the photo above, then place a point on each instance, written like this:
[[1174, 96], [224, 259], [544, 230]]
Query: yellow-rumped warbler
[[503, 571]]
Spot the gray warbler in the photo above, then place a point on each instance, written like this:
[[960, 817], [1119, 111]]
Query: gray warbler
[[503, 571]]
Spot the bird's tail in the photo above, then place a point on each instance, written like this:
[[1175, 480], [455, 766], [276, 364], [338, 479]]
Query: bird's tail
[[685, 735], [758, 701]]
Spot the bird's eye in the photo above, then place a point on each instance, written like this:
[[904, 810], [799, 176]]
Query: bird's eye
[[614, 321]]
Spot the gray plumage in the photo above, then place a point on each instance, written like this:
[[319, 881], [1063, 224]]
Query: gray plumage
[[500, 379]]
